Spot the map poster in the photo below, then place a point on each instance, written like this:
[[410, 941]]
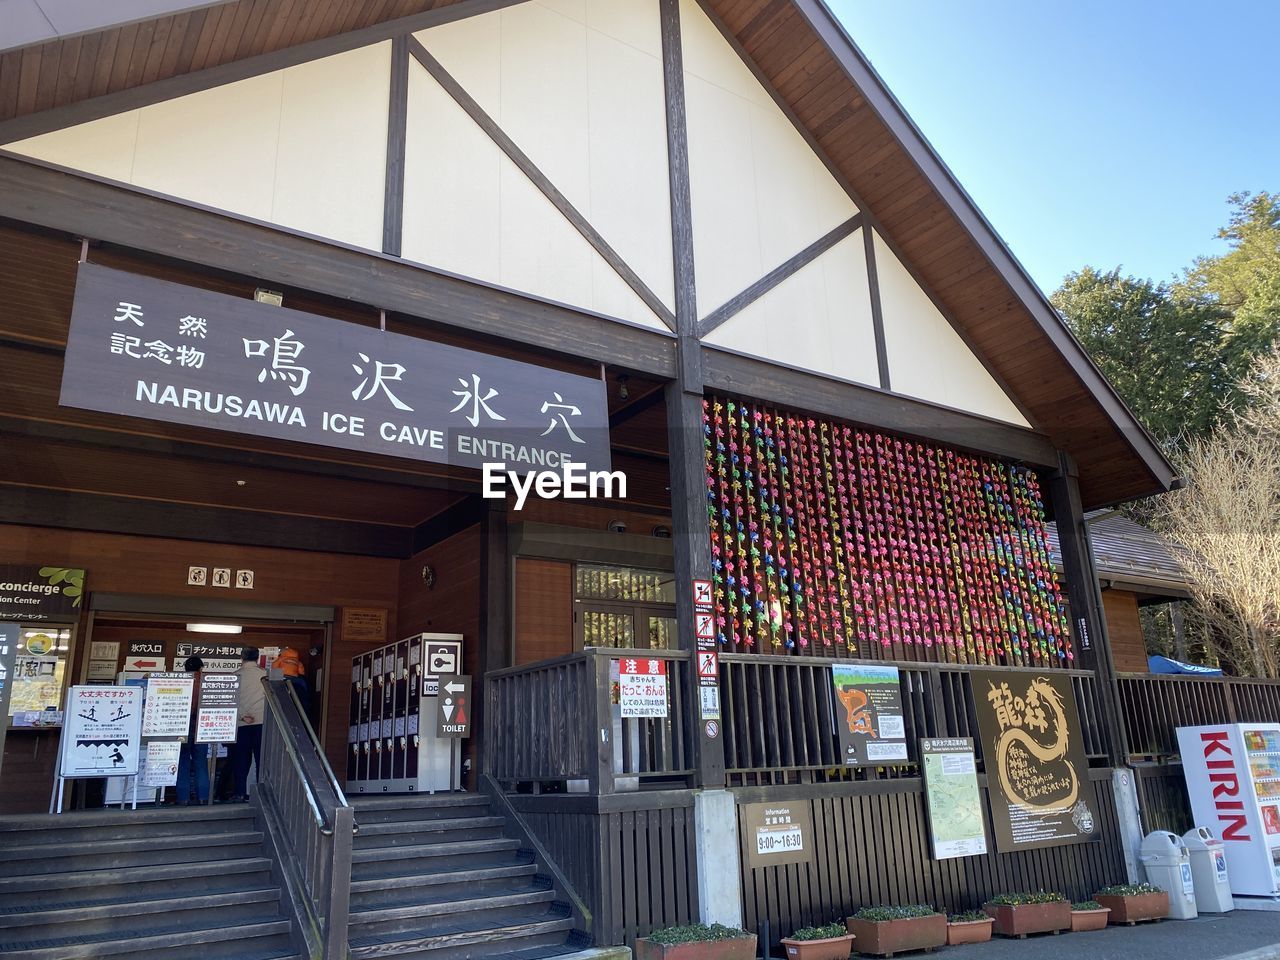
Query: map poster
[[168, 708], [101, 732], [952, 798], [1037, 772], [778, 833], [868, 710]]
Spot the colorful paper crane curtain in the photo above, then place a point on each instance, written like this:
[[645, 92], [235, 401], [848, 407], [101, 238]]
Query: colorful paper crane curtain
[[830, 540]]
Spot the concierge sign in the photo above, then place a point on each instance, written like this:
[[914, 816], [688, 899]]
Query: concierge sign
[[147, 348]]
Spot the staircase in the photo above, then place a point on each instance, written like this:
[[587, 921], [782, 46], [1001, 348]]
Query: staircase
[[436, 878], [167, 884]]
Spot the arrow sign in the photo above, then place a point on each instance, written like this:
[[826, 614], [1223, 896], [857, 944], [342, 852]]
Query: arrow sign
[[143, 664], [453, 706]]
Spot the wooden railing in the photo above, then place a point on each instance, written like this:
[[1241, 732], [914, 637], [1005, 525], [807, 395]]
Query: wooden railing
[[554, 724], [308, 821], [1153, 706], [779, 723]]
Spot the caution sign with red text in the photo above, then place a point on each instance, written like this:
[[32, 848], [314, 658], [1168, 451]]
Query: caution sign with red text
[[642, 687]]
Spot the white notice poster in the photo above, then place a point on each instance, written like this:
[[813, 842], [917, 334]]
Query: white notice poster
[[168, 708], [161, 766], [102, 731], [642, 687]]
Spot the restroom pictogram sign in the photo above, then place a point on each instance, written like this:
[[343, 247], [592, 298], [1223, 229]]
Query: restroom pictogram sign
[[453, 706]]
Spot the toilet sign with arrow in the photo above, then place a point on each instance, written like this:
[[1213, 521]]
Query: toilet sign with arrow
[[453, 706]]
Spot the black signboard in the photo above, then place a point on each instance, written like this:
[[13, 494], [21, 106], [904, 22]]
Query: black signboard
[[778, 833], [453, 706], [41, 593], [142, 347], [868, 707], [223, 651], [1037, 771]]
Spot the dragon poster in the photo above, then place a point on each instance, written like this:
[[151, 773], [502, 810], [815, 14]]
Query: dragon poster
[[1037, 772], [868, 707]]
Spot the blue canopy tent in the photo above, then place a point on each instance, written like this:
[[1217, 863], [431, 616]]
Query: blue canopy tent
[[1157, 664]]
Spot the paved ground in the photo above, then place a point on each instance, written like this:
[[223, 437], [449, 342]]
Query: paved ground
[[1253, 933]]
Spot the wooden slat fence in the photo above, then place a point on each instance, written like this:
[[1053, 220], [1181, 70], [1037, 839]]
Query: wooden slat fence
[[544, 725], [779, 717], [630, 856], [1162, 797], [873, 848]]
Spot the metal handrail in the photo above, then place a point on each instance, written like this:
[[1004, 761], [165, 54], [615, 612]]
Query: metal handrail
[[320, 755], [313, 800]]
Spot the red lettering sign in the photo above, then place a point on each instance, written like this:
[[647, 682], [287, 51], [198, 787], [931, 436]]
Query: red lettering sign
[[1226, 784]]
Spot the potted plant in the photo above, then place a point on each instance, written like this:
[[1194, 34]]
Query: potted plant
[[830, 942], [1088, 915], [971, 926], [697, 941], [885, 931], [1130, 903], [1018, 914]]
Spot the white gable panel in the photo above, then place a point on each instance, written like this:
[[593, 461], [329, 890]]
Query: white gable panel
[[927, 358], [760, 195], [469, 210], [102, 147], [577, 85], [818, 319], [303, 147]]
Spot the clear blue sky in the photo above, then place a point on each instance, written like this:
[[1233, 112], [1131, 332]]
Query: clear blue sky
[[1089, 132]]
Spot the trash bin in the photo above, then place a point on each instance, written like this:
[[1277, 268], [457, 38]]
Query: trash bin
[[1209, 871], [1169, 867]]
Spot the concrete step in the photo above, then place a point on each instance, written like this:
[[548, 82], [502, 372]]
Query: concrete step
[[53, 889], [422, 916], [125, 917], [470, 938], [42, 858], [382, 891], [266, 938], [413, 832], [92, 825]]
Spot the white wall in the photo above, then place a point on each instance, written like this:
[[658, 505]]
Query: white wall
[[578, 88], [829, 329], [760, 195], [304, 147], [927, 358]]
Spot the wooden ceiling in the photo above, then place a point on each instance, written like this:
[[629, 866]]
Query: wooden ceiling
[[799, 50], [74, 69]]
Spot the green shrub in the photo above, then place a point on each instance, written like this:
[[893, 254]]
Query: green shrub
[[1026, 897], [1087, 905], [827, 932], [883, 914], [695, 933], [1129, 890], [968, 916]]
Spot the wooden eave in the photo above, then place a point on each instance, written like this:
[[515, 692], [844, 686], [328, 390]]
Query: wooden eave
[[818, 76]]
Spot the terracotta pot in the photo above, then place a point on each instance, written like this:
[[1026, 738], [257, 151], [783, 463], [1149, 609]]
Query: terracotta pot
[[1024, 918], [832, 948], [969, 931], [888, 937], [1082, 920], [1143, 906], [743, 948]]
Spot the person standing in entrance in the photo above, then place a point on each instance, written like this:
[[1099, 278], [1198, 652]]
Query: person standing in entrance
[[248, 749], [193, 758]]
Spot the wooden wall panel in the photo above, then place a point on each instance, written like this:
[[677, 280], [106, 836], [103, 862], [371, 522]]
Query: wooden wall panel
[[27, 775], [543, 616], [452, 605], [147, 565], [1124, 631]]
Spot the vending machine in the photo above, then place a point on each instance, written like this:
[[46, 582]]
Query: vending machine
[[1233, 779], [395, 749]]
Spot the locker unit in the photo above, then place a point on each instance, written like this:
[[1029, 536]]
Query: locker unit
[[394, 748]]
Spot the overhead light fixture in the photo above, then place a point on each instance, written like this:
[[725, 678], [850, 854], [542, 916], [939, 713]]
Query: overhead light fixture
[[624, 392], [214, 628], [272, 297]]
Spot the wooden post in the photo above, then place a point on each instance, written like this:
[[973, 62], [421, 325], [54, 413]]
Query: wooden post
[[494, 640], [1093, 650]]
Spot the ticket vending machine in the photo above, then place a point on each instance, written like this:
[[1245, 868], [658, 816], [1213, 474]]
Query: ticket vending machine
[[399, 751]]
